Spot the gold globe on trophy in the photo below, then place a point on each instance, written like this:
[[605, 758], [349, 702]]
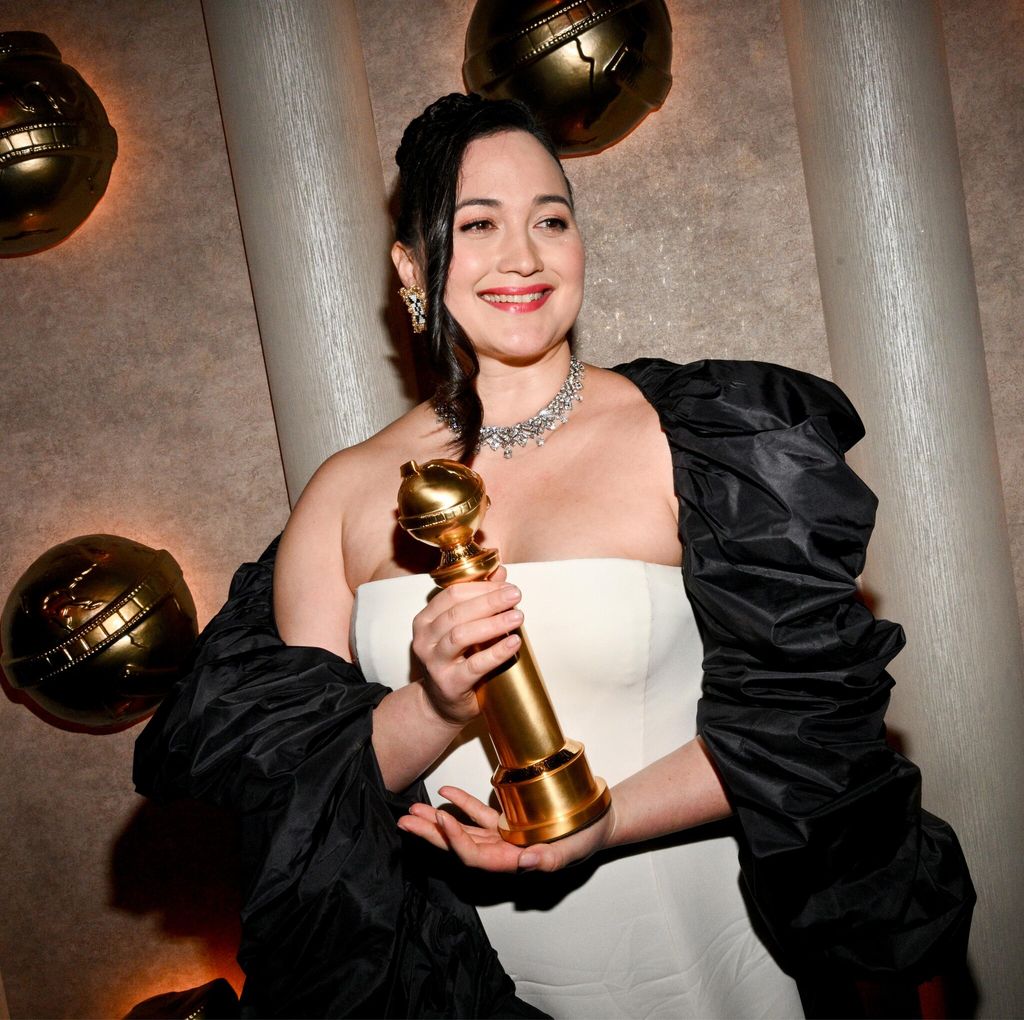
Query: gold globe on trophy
[[543, 782], [96, 631], [591, 70]]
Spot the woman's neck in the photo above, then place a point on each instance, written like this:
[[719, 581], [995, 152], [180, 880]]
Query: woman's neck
[[512, 393]]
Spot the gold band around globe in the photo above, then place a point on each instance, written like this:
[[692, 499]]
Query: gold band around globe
[[101, 630], [543, 782], [96, 631]]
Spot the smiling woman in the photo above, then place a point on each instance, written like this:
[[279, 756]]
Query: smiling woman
[[516, 250], [747, 689]]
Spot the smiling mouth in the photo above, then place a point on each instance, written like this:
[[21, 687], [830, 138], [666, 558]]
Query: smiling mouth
[[515, 299]]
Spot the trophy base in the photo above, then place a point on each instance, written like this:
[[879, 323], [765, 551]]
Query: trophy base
[[549, 799]]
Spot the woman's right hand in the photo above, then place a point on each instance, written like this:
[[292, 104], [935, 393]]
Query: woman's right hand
[[461, 635]]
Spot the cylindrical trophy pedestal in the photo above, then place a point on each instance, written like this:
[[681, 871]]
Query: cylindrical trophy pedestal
[[544, 783]]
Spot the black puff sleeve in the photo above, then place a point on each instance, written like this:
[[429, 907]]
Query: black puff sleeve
[[342, 914], [849, 873]]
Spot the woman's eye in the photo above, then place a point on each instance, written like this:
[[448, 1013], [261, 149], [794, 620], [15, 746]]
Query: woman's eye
[[554, 223], [475, 226]]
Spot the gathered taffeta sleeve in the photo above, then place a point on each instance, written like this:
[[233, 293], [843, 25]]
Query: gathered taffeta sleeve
[[850, 875], [342, 915]]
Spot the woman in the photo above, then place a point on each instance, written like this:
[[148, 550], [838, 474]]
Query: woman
[[371, 916]]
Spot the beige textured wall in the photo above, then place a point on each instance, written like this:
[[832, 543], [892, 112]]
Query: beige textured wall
[[133, 401]]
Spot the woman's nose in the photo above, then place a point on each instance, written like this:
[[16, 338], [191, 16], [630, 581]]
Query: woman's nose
[[519, 254]]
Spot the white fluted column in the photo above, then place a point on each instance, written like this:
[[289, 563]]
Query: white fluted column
[[883, 182], [307, 174]]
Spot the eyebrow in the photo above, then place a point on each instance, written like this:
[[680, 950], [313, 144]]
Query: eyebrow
[[493, 203]]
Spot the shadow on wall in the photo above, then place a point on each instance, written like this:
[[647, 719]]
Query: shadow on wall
[[181, 861]]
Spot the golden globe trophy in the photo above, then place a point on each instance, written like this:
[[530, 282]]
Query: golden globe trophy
[[543, 781]]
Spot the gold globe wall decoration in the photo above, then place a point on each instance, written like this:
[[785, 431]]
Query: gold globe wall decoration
[[591, 70], [96, 631], [57, 147]]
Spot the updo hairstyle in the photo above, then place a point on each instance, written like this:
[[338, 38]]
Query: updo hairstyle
[[429, 160]]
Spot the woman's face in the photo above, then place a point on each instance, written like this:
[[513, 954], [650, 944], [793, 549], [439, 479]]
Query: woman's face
[[516, 280]]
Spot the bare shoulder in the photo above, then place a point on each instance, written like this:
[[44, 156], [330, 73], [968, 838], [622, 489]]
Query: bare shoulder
[[313, 577], [615, 387], [351, 476], [633, 444], [622, 408]]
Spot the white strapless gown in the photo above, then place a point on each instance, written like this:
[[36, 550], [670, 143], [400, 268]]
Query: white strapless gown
[[659, 930]]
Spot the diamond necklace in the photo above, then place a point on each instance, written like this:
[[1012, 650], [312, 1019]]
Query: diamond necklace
[[547, 419]]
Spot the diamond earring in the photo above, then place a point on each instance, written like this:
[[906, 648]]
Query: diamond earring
[[416, 302]]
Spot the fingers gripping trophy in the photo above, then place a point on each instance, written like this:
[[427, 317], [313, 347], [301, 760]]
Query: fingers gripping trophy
[[543, 781]]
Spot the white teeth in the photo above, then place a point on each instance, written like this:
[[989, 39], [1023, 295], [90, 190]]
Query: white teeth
[[515, 299]]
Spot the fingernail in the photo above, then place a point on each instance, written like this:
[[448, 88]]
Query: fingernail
[[510, 593], [515, 616], [527, 860], [511, 641]]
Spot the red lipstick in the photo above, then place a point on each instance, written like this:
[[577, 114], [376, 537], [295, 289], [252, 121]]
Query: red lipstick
[[517, 300]]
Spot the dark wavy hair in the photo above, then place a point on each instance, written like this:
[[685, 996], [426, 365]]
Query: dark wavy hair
[[429, 159]]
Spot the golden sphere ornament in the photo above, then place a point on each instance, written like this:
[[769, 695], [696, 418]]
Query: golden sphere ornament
[[57, 147], [96, 631], [590, 70], [442, 503]]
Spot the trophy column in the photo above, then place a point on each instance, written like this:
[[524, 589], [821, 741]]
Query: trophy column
[[543, 782]]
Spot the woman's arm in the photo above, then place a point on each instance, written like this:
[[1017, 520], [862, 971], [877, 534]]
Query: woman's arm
[[846, 870], [459, 637], [313, 607], [282, 736], [312, 600], [674, 793], [313, 604]]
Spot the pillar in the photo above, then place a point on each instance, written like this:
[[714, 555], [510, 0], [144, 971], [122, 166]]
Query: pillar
[[307, 174], [878, 142]]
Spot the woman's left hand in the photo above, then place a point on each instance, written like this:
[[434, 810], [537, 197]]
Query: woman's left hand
[[480, 846]]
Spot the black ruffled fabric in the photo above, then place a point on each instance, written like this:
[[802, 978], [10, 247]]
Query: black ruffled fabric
[[850, 875], [340, 917], [344, 916]]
